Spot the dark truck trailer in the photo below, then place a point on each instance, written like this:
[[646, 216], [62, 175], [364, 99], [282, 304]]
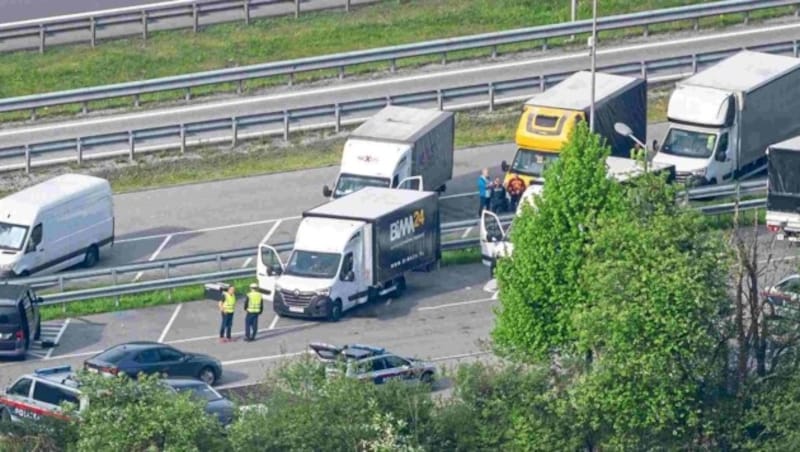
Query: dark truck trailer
[[783, 189]]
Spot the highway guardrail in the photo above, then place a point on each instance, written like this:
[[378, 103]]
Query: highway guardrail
[[167, 283], [341, 61], [170, 129], [140, 19]]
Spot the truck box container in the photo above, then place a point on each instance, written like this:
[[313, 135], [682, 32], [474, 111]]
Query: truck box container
[[405, 227], [783, 189], [429, 133]]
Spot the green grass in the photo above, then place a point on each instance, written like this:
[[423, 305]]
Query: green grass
[[235, 44], [192, 293]]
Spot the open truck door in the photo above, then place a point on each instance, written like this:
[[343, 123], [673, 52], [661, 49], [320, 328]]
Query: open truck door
[[411, 183], [493, 237], [268, 269]]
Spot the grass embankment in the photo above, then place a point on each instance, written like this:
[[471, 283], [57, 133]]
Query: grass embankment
[[235, 44], [193, 293]]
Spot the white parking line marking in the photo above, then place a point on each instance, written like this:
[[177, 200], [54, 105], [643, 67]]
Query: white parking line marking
[[155, 254], [57, 339], [452, 305], [262, 358], [274, 322], [211, 229], [169, 324], [466, 232], [271, 231], [496, 294], [247, 262]]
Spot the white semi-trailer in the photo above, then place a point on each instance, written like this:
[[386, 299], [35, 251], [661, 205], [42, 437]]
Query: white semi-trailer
[[783, 190]]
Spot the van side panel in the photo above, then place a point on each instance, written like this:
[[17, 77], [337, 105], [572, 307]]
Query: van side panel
[[69, 229]]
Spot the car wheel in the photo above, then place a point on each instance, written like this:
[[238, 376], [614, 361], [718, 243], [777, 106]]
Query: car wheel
[[400, 286], [92, 256], [38, 334], [208, 376], [336, 311], [427, 377]]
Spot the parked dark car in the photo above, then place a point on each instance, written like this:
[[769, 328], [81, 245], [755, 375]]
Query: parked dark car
[[20, 324], [133, 358], [215, 404]]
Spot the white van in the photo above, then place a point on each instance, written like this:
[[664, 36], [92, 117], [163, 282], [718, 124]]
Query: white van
[[54, 225]]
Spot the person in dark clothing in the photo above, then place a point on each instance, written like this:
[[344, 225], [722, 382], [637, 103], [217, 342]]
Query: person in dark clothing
[[499, 201], [515, 187]]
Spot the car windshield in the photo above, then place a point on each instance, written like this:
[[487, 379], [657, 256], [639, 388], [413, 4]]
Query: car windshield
[[686, 143], [349, 183], [313, 264], [532, 163], [201, 392], [9, 315], [112, 355], [12, 236]]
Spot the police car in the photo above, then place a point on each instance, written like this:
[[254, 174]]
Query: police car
[[368, 363], [41, 395]]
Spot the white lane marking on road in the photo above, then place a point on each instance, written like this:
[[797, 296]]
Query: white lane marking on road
[[155, 254], [490, 286], [459, 195], [57, 339], [780, 259], [271, 231], [247, 262], [466, 232], [654, 47], [452, 305], [211, 229], [274, 322], [169, 324], [262, 358], [238, 333]]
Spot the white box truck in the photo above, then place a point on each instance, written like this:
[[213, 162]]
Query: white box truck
[[352, 250], [398, 147], [54, 225], [783, 190], [722, 119], [494, 238]]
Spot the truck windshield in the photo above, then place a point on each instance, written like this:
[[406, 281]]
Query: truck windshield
[[348, 183], [12, 236], [312, 264], [686, 143], [532, 163]]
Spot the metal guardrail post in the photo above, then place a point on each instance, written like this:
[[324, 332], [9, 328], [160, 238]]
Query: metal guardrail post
[[27, 159], [440, 99], [341, 72], [296, 9], [33, 114], [144, 24], [494, 52], [285, 125], [182, 132], [93, 31], [694, 63], [84, 107], [696, 25], [491, 97], [131, 145], [166, 276], [291, 79], [347, 6], [79, 148], [645, 31], [42, 34], [444, 58], [240, 87], [542, 83], [195, 17], [643, 65], [544, 45], [246, 8], [187, 94], [388, 100], [114, 278], [393, 65], [219, 262], [337, 118], [61, 289], [234, 131], [136, 101], [795, 50]]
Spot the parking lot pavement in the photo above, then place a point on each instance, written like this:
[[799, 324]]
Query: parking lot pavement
[[443, 314]]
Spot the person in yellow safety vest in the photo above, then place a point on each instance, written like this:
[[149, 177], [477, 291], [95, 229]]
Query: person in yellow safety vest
[[226, 308], [253, 307]]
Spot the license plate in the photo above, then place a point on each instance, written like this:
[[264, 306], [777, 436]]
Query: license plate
[[296, 309], [780, 237], [93, 370]]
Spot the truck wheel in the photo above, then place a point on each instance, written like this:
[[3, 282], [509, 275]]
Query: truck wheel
[[336, 311], [399, 286], [443, 188], [92, 256]]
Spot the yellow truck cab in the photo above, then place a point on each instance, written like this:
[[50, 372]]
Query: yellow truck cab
[[549, 118]]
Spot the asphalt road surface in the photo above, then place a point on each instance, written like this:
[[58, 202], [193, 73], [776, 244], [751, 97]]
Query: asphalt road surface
[[17, 10], [444, 316]]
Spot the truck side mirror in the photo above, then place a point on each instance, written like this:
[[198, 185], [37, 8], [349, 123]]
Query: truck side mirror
[[274, 271], [326, 191], [494, 237], [350, 276], [504, 166], [655, 146]]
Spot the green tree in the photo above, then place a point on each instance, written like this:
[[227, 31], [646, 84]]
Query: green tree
[[143, 415], [656, 279], [539, 290]]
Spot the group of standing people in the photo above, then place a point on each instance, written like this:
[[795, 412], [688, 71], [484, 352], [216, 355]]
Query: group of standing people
[[253, 307], [496, 197]]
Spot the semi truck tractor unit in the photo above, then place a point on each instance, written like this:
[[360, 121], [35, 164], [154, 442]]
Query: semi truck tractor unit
[[722, 119], [353, 250], [783, 190], [549, 118], [398, 147]]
